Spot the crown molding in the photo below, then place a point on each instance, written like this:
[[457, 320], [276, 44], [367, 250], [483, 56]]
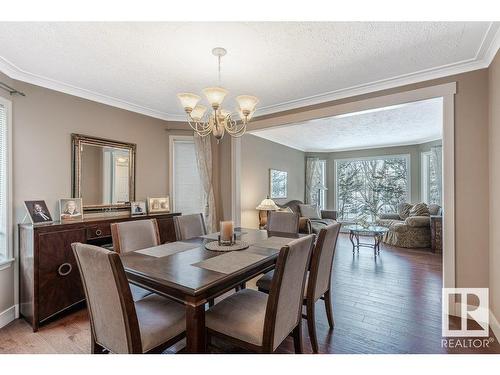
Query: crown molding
[[17, 73], [483, 58]]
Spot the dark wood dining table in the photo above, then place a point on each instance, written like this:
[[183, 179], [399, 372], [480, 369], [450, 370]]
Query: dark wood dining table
[[174, 276]]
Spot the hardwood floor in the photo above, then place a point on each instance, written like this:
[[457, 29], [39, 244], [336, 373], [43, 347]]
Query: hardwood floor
[[391, 304]]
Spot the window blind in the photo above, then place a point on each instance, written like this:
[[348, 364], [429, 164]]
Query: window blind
[[3, 182], [188, 193]]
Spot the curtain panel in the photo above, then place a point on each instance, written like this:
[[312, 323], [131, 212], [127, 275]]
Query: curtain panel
[[313, 179], [203, 149]]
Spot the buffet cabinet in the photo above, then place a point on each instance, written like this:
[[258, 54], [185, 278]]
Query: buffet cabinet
[[49, 279]]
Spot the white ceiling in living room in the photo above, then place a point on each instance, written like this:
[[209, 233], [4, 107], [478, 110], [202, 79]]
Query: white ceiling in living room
[[406, 124], [142, 66]]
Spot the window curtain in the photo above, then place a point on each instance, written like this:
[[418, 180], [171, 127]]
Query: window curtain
[[313, 179], [437, 163], [203, 149]]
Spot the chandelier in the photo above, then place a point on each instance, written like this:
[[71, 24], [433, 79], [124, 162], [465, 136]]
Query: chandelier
[[218, 121]]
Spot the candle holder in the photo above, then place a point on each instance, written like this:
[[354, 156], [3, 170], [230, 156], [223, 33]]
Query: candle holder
[[227, 243]]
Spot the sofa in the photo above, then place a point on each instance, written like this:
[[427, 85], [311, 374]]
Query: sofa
[[311, 221], [410, 227]]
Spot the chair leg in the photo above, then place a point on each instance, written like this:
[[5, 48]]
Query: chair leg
[[211, 302], [311, 325], [329, 309], [297, 338], [95, 348], [243, 286]]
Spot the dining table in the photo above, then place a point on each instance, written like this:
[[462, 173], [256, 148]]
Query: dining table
[[187, 272]]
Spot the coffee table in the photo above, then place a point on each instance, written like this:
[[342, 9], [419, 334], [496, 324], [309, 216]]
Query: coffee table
[[374, 231]]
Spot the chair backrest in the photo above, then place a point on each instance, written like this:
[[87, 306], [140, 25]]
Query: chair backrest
[[135, 235], [322, 261], [112, 312], [189, 226], [285, 222], [284, 305]]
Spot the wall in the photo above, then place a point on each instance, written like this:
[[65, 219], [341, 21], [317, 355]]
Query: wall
[[471, 166], [415, 173], [258, 155], [494, 153]]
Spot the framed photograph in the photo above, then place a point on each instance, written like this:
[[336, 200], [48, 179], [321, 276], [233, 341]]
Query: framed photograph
[[158, 205], [138, 208], [38, 212], [70, 209], [278, 183]]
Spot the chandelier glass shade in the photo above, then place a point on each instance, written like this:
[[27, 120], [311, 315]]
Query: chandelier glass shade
[[217, 121]]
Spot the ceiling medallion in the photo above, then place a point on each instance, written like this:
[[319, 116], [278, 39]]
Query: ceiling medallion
[[218, 121]]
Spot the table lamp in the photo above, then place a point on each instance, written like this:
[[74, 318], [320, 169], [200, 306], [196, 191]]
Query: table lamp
[[264, 207]]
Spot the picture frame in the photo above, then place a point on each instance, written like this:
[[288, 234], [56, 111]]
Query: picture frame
[[158, 205], [138, 208], [70, 209], [38, 212], [278, 184]]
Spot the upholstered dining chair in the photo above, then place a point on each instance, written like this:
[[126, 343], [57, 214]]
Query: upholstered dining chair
[[117, 323], [284, 222], [189, 226], [260, 322], [318, 283], [135, 235]]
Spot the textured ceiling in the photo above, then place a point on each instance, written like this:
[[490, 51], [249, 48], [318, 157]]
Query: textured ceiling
[[411, 123], [142, 66]]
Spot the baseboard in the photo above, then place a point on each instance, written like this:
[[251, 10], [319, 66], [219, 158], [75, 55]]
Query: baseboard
[[9, 315], [495, 326]]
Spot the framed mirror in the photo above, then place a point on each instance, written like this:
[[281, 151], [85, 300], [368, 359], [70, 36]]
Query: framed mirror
[[103, 173]]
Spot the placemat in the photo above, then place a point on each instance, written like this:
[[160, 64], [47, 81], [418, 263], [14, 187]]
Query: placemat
[[215, 236], [274, 242], [167, 249], [230, 262]]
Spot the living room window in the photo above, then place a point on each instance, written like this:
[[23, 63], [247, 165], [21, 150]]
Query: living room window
[[186, 189], [4, 180], [367, 187]]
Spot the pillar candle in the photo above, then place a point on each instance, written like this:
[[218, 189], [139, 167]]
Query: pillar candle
[[226, 231]]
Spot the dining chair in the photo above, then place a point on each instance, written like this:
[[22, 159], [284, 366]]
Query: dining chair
[[284, 222], [189, 226], [318, 282], [260, 322], [135, 235], [117, 323]]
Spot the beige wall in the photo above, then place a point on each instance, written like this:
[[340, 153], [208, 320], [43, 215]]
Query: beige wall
[[257, 157], [413, 151], [494, 152], [471, 166]]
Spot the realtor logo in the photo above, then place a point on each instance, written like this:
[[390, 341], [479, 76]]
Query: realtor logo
[[480, 313]]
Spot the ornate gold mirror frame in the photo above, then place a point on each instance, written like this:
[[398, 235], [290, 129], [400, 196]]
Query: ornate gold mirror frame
[[77, 143]]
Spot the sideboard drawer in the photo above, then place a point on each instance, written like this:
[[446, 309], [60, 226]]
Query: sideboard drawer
[[98, 231], [59, 282]]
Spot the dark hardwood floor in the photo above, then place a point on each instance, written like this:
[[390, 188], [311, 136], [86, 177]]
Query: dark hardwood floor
[[391, 304]]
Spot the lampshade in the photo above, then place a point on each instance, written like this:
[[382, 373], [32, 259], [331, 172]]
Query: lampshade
[[188, 101], [267, 205], [215, 95], [198, 112], [247, 103]]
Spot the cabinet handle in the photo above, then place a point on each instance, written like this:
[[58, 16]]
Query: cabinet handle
[[67, 272], [98, 232]]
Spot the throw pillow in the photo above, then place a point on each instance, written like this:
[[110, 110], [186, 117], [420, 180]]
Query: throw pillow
[[420, 209], [404, 210], [309, 211]]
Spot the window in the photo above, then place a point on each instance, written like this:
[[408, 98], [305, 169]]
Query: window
[[5, 215], [186, 189], [431, 176], [366, 187]]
